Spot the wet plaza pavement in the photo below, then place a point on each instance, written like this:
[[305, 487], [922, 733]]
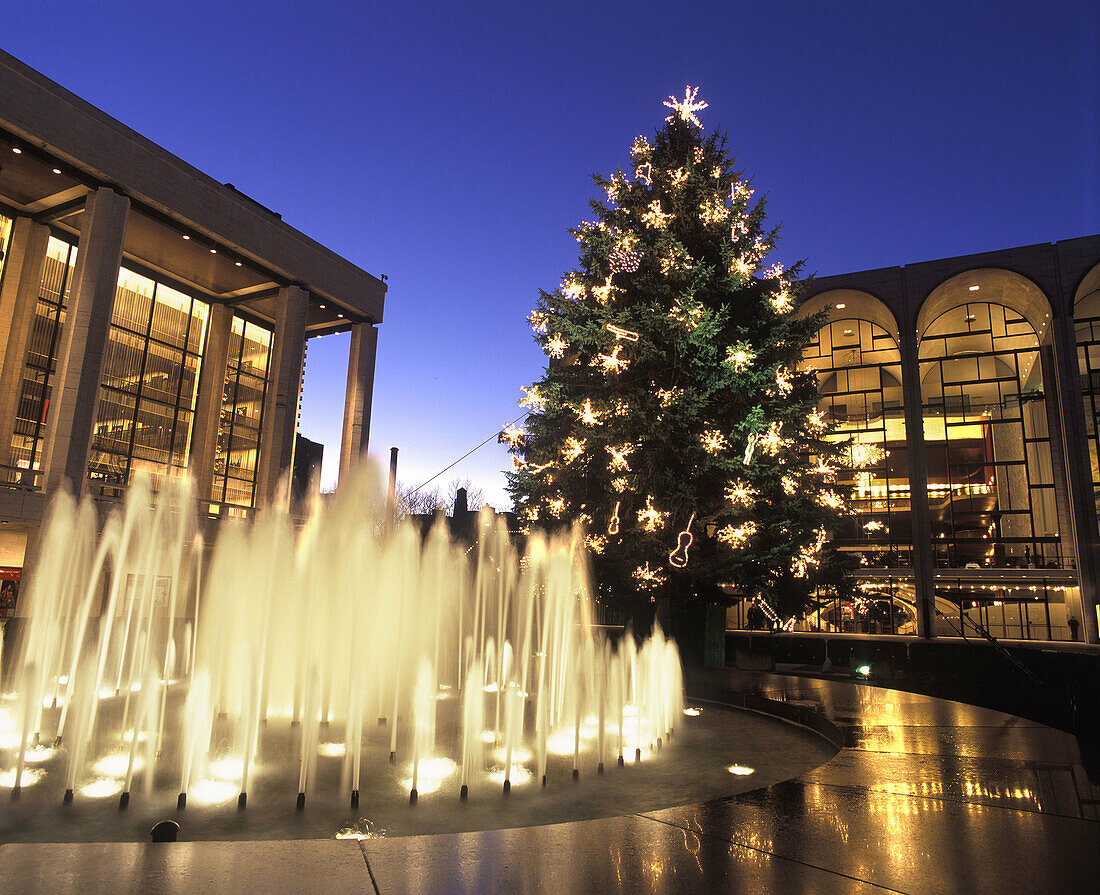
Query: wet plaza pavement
[[926, 796]]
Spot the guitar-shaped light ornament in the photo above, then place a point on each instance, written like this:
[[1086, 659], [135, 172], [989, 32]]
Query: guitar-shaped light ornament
[[613, 528], [678, 558]]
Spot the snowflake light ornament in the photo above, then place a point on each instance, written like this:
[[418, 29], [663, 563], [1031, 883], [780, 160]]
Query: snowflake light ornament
[[688, 106], [556, 346]]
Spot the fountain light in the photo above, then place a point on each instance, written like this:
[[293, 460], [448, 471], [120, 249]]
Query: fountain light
[[519, 776], [488, 736], [212, 792], [332, 750], [431, 774], [115, 764], [228, 768], [740, 770], [103, 788], [39, 754], [519, 754], [692, 712], [491, 688], [29, 778]]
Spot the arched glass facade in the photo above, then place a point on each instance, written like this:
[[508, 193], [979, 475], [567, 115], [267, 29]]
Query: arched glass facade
[[1086, 318], [987, 441]]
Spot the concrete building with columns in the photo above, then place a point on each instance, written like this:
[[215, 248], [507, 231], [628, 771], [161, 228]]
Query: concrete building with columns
[[967, 391], [152, 319]]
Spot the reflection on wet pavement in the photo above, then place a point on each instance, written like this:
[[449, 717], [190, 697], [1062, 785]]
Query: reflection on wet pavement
[[927, 796]]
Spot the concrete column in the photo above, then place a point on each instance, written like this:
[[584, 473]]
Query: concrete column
[[920, 516], [75, 387], [284, 385], [18, 297], [208, 407], [1082, 503], [358, 396]]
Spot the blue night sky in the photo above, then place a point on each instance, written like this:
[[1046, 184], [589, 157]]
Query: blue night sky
[[448, 145]]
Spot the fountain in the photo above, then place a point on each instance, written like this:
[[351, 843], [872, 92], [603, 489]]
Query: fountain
[[141, 660]]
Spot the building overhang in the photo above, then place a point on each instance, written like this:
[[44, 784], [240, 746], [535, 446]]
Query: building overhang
[[182, 224]]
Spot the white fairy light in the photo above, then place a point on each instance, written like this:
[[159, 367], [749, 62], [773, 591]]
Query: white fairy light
[[737, 535], [679, 177], [573, 449], [713, 441], [612, 363], [783, 381], [595, 543], [740, 495], [619, 484], [619, 453], [538, 321], [588, 414], [742, 267], [790, 486], [689, 315], [771, 441], [640, 145], [513, 435], [603, 293], [654, 217], [781, 301], [739, 358], [651, 518], [532, 398], [864, 454], [572, 290], [687, 107], [808, 556], [816, 421], [665, 396], [873, 525], [647, 578], [831, 499], [556, 505], [556, 346]]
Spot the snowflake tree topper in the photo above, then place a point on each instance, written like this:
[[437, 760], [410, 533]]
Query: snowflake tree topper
[[687, 107]]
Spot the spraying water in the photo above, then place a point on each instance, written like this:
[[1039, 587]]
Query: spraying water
[[137, 643]]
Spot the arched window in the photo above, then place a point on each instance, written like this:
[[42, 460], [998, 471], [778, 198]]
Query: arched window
[[1086, 316], [858, 369], [990, 479]]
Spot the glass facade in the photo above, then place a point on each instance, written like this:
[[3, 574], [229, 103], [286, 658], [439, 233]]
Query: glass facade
[[28, 439], [1087, 324], [150, 381], [236, 459], [987, 444]]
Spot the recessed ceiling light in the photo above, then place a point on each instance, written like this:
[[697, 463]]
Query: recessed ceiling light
[[339, 315], [847, 332], [185, 236], [320, 306], [840, 307], [238, 263], [17, 150], [970, 317], [213, 251], [56, 170], [974, 288]]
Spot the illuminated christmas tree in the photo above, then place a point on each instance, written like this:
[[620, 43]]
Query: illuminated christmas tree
[[672, 421]]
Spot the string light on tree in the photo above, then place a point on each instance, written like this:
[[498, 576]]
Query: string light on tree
[[619, 453], [512, 435], [532, 399], [612, 363], [688, 106], [651, 518], [713, 441], [682, 347], [737, 536]]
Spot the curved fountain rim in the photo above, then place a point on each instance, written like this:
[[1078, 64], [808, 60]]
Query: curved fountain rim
[[795, 715]]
